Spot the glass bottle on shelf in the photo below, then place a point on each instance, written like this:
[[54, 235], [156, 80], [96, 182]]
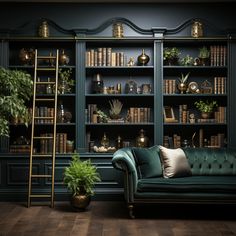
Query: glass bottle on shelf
[[61, 114], [49, 88], [119, 142]]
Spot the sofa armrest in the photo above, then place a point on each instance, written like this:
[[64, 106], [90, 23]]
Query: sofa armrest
[[123, 160]]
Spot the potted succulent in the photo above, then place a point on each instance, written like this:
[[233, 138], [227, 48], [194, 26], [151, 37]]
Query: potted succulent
[[205, 107], [171, 56], [80, 177], [187, 61], [204, 55], [15, 90], [115, 110]]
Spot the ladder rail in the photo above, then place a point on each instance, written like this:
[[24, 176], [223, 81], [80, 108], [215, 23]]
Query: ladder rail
[[54, 131], [34, 138], [32, 130]]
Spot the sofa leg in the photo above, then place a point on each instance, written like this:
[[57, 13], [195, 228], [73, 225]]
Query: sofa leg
[[131, 212]]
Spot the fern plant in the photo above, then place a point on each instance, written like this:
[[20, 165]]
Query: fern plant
[[80, 176]]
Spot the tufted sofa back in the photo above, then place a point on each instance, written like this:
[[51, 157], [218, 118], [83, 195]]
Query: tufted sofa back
[[207, 161]]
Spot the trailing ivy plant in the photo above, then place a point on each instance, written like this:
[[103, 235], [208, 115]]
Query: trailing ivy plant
[[15, 90]]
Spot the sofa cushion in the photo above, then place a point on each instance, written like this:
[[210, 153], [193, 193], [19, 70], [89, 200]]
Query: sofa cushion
[[148, 162], [192, 184], [174, 163]]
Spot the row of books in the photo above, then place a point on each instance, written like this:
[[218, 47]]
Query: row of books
[[218, 55], [46, 145], [213, 141], [172, 141], [220, 85], [105, 57], [139, 114], [170, 86], [44, 112]]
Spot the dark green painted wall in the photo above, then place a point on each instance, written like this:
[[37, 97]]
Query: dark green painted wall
[[92, 15]]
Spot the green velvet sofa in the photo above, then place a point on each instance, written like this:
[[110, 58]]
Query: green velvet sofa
[[212, 179]]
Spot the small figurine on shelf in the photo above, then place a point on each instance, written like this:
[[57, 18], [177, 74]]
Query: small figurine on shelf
[[130, 62], [105, 141]]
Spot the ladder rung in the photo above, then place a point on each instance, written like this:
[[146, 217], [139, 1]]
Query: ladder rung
[[42, 155], [46, 57], [45, 99], [44, 118], [41, 176], [43, 137], [46, 82], [45, 68], [41, 195]]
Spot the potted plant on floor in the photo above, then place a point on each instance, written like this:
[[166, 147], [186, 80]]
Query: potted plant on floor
[[80, 178], [15, 90]]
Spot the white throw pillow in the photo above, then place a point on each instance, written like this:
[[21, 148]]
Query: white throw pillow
[[174, 163]]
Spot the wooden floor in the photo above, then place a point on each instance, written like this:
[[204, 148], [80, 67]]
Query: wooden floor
[[111, 219]]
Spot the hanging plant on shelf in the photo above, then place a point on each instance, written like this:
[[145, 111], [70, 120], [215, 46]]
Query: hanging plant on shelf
[[65, 83]]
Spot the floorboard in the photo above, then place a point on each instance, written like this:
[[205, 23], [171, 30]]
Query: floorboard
[[106, 218]]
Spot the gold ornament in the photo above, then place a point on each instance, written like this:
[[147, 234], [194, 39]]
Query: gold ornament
[[44, 30], [197, 30], [118, 31]]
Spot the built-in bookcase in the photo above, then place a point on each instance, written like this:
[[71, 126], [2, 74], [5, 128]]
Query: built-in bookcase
[[206, 82]]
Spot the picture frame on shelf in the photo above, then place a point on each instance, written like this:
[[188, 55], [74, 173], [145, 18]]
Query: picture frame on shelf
[[169, 116]]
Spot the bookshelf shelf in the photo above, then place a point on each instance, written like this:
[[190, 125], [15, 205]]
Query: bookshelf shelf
[[195, 124], [120, 124]]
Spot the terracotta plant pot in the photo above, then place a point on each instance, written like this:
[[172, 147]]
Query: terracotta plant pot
[[206, 115]]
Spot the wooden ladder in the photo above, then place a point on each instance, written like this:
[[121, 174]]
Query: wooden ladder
[[51, 69]]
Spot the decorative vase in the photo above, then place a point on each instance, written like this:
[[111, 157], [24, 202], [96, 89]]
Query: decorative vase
[[143, 59], [173, 61], [80, 202], [63, 58], [206, 115], [182, 87], [204, 61], [26, 56], [197, 29], [44, 30]]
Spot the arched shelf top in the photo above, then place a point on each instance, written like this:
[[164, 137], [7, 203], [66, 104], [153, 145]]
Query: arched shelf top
[[30, 29]]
